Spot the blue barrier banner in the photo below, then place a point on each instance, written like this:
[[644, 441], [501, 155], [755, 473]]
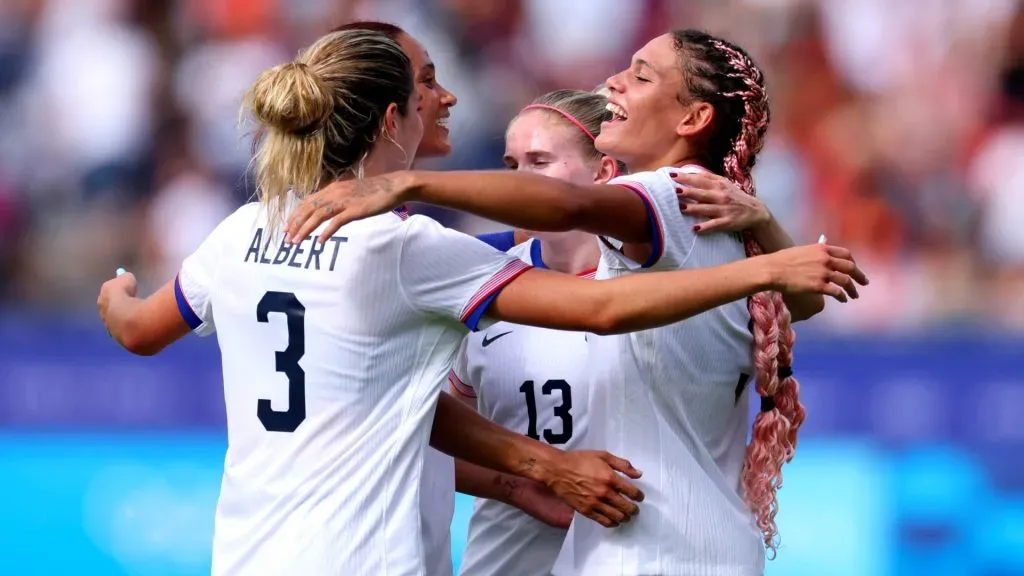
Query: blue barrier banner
[[64, 374], [143, 504], [911, 460]]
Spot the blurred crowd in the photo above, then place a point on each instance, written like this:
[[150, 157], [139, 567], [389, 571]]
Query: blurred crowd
[[898, 127]]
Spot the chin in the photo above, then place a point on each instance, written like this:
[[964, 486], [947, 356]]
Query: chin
[[608, 145], [434, 148]]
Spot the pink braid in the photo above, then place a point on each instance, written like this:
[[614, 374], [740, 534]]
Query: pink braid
[[773, 441]]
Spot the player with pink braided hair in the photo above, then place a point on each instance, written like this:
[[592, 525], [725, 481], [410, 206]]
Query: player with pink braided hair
[[691, 109], [723, 74]]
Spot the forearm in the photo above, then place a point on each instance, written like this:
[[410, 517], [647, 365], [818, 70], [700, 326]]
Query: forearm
[[773, 237], [461, 432], [629, 303], [485, 483], [534, 202], [679, 294], [120, 320], [143, 326]]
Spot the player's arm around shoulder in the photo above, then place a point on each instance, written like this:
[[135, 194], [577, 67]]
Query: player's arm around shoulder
[[644, 301]]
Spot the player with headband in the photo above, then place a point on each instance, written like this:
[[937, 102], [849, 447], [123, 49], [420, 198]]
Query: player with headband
[[533, 380], [675, 398]]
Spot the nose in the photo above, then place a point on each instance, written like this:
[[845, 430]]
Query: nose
[[447, 98], [614, 83]]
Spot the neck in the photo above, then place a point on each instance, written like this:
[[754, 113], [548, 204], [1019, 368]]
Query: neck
[[569, 252], [381, 160], [671, 159]]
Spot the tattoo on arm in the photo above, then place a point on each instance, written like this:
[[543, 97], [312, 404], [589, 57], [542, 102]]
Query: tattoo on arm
[[526, 465], [378, 186], [507, 484]]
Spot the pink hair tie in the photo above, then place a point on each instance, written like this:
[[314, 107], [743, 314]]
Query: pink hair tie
[[564, 114]]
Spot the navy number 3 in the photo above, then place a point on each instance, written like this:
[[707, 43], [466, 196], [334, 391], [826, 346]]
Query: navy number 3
[[286, 362]]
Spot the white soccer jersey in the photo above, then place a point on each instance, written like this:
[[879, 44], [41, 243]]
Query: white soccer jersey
[[533, 381], [674, 401], [437, 507], [333, 356]]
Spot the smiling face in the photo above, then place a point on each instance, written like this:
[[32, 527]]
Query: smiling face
[[651, 123], [435, 102]]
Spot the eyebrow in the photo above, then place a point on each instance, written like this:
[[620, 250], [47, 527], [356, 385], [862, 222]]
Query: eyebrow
[[645, 64], [531, 156]]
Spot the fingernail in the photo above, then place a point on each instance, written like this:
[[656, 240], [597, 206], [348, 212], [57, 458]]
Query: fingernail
[[673, 174], [682, 208], [120, 271], [696, 228]]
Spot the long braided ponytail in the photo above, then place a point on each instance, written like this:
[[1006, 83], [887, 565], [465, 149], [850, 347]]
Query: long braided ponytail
[[721, 73]]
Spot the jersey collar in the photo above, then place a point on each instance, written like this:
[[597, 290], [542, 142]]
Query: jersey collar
[[535, 256], [538, 261]]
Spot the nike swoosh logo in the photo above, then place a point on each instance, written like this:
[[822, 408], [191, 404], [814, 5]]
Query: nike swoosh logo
[[487, 341]]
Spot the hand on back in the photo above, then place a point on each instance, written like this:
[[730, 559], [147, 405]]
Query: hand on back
[[595, 484], [345, 201]]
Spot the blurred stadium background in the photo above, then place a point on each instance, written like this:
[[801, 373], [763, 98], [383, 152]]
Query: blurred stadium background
[[898, 130]]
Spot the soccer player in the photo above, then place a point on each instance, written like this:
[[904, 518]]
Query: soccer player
[[675, 398], [333, 350], [441, 476], [534, 380]]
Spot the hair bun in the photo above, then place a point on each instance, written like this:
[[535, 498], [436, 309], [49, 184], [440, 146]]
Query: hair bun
[[292, 98]]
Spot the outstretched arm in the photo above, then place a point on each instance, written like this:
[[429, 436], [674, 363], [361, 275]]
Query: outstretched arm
[[523, 200], [727, 208], [644, 301], [773, 237]]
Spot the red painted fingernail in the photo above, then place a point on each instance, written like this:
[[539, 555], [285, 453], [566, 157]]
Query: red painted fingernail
[[682, 208], [696, 228]]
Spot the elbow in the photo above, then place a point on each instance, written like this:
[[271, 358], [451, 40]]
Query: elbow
[[134, 339], [138, 346], [607, 320]]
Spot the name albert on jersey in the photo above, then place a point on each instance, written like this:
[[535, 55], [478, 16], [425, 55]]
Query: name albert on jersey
[[333, 354]]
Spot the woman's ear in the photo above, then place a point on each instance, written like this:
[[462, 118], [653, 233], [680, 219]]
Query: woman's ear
[[607, 170], [391, 119], [697, 118]]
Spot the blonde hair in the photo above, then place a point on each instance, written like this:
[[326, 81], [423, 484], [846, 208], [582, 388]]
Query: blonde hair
[[585, 110], [320, 115]]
